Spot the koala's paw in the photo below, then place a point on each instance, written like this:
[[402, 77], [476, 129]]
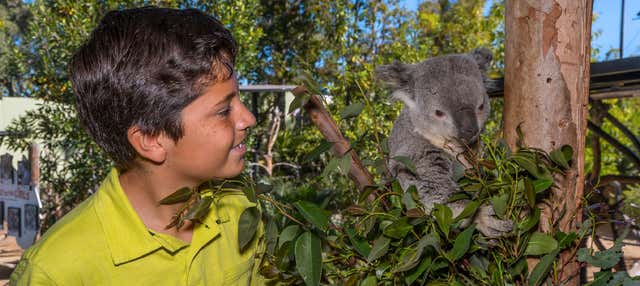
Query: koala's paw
[[490, 225]]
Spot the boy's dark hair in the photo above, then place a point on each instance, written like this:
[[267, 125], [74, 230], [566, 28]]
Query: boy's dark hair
[[142, 67]]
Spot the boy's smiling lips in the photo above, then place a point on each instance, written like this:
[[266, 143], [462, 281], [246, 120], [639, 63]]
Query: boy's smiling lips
[[240, 147]]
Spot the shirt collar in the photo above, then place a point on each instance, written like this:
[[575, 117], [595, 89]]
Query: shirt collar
[[126, 235]]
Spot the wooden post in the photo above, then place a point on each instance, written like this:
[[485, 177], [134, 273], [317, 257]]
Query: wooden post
[[547, 52]]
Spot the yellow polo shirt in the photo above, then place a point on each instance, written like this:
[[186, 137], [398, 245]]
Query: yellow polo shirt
[[104, 242]]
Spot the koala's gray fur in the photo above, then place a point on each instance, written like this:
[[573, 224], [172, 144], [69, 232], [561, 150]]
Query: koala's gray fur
[[446, 107]]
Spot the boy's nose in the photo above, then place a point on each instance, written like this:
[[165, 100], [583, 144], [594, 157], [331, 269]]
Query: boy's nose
[[246, 119]]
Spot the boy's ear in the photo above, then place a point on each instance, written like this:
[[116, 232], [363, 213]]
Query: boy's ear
[[147, 146]]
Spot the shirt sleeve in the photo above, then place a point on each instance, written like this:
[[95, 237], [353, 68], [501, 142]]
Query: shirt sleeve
[[27, 274]]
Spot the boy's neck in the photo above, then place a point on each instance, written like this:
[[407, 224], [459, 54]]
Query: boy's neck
[[145, 188]]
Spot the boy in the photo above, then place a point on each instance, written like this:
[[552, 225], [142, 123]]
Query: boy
[[155, 89]]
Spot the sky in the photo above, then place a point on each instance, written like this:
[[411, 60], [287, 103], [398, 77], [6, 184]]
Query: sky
[[607, 23]]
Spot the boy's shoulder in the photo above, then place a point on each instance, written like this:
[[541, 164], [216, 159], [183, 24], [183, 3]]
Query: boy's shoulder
[[80, 228]]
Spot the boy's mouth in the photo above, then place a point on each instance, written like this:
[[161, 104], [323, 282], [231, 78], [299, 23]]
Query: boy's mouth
[[239, 148]]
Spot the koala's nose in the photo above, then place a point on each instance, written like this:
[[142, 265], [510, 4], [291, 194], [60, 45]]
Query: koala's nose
[[469, 134]]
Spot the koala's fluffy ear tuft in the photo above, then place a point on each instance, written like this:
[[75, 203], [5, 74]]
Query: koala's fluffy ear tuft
[[396, 75], [483, 57]]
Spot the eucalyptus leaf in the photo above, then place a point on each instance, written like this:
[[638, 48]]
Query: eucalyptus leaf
[[352, 110], [407, 162], [247, 226], [331, 167], [443, 215], [313, 214], [298, 102], [308, 258], [468, 211], [380, 248], [360, 245], [316, 152], [530, 193], [531, 221], [541, 185], [539, 273], [344, 164], [500, 203], [199, 210], [397, 229], [565, 240], [424, 264], [558, 157], [179, 196], [371, 280], [540, 244], [271, 236], [461, 244], [289, 233]]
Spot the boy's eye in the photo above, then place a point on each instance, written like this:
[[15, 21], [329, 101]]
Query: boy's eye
[[225, 111]]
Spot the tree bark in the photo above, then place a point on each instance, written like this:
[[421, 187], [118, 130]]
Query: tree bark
[[547, 52]]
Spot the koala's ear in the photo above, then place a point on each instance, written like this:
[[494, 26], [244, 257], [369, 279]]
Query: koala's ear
[[396, 75], [483, 57]]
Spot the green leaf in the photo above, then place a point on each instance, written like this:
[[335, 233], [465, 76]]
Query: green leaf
[[541, 185], [531, 221], [408, 199], [468, 211], [352, 110], [461, 244], [371, 280], [424, 264], [406, 161], [566, 240], [344, 164], [247, 226], [200, 209], [605, 259], [179, 196], [567, 151], [601, 278], [262, 188], [298, 102], [500, 203], [539, 273], [397, 229], [289, 233], [409, 259], [540, 243], [443, 215], [558, 157], [308, 257], [360, 245], [271, 236], [380, 248], [531, 166], [331, 167], [313, 214], [316, 152], [530, 193]]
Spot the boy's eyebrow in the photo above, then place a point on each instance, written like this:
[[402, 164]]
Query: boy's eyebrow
[[227, 97]]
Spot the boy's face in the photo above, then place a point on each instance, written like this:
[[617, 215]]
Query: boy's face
[[214, 129]]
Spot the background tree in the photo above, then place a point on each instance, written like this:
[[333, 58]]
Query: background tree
[[546, 94]]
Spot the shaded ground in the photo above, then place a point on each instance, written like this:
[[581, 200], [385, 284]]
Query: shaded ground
[[10, 254]]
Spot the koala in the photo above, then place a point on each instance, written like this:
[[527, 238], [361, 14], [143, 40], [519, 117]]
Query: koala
[[445, 109]]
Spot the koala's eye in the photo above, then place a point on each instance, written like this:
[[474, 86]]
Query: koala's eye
[[439, 113], [481, 107]]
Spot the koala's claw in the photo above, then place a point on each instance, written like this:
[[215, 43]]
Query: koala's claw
[[489, 225]]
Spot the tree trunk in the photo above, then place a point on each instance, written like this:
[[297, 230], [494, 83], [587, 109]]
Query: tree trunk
[[547, 52]]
